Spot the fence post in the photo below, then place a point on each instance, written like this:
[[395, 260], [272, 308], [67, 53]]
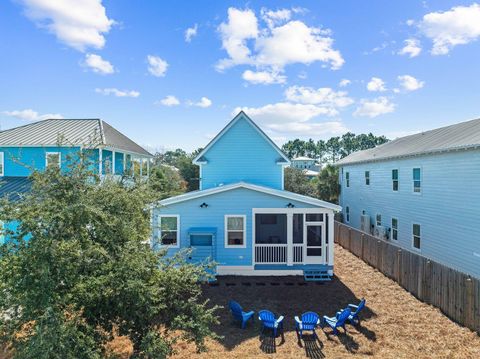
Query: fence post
[[362, 240], [398, 265], [469, 304], [427, 292], [349, 239], [379, 257]]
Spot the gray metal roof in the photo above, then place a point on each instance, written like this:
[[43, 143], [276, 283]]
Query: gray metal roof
[[461, 136], [70, 132], [13, 187]]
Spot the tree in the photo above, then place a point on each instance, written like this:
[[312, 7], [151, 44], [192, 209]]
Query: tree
[[328, 188], [297, 182], [166, 181], [183, 162], [80, 268]]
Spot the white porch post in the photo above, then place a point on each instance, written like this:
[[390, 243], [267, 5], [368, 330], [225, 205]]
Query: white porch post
[[100, 160], [148, 167], [289, 238], [141, 167], [113, 162], [331, 245]]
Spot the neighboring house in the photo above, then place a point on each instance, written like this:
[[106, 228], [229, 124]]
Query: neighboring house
[[242, 218], [421, 192], [57, 143], [308, 165]]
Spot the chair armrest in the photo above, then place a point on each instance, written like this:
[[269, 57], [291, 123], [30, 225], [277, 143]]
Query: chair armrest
[[353, 306], [280, 319], [331, 320], [248, 314], [297, 319]]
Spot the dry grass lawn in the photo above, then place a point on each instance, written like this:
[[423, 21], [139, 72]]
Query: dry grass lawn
[[395, 324]]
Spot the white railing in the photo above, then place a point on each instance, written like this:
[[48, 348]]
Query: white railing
[[298, 253], [271, 253]]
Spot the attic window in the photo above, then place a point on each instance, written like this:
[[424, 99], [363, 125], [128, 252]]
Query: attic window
[[52, 159]]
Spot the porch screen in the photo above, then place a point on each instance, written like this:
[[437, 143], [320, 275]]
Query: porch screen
[[270, 228]]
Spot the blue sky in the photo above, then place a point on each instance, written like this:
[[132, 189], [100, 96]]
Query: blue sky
[[299, 68]]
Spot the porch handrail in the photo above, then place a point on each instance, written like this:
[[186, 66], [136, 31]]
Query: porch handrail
[[271, 253]]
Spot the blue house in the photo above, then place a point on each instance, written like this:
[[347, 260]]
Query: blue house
[[242, 218], [57, 142], [421, 193]]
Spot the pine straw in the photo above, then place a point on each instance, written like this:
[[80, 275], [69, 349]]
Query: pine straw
[[395, 324]]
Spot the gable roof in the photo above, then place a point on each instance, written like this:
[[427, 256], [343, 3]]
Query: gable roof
[[275, 192], [70, 132], [199, 159], [461, 136]]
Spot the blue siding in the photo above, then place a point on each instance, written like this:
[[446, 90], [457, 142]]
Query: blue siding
[[448, 208], [242, 154], [20, 160], [235, 202]]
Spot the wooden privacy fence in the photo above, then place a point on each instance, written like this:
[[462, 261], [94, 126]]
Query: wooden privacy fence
[[456, 294]]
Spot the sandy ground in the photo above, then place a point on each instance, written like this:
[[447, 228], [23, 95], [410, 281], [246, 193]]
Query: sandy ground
[[394, 325]]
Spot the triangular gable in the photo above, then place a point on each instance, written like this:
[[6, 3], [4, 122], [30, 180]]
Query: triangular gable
[[241, 115]]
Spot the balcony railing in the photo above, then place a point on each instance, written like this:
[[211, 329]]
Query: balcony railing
[[271, 253]]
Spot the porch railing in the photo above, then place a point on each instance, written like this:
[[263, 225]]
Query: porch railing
[[271, 253], [298, 253]]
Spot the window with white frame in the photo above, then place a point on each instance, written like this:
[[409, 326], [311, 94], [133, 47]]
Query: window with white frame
[[347, 178], [52, 159], [395, 229], [416, 236], [378, 219], [235, 231], [395, 180], [2, 164], [417, 182], [367, 178], [347, 214], [169, 230]]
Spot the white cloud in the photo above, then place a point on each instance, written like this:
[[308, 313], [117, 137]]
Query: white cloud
[[190, 33], [157, 66], [344, 83], [78, 24], [375, 107], [412, 48], [169, 101], [98, 65], [324, 96], [31, 115], [117, 92], [457, 26], [410, 83], [204, 102], [281, 43], [263, 77], [285, 117], [376, 84]]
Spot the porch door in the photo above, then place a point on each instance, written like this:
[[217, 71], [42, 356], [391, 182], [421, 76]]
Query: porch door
[[314, 252]]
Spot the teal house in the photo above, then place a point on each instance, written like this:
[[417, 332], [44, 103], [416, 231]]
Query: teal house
[[58, 142], [421, 193], [242, 218]]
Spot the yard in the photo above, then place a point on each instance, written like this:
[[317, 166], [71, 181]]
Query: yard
[[395, 324]]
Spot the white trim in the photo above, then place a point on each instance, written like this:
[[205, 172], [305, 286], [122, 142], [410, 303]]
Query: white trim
[[275, 192], [2, 163], [421, 180], [200, 174], [100, 159], [250, 271], [420, 237], [233, 246], [53, 153], [159, 226], [113, 162], [240, 115]]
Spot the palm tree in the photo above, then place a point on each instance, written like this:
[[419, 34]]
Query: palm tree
[[328, 186]]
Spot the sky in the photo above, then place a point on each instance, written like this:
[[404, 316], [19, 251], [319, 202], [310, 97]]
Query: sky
[[172, 74]]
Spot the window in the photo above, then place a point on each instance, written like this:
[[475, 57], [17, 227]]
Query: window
[[417, 180], [235, 231], [2, 164], [379, 219], [347, 178], [395, 180], [52, 159], [367, 178], [314, 217], [347, 214], [169, 232], [416, 236], [394, 229]]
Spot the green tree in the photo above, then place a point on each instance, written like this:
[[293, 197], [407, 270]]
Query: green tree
[[297, 182], [80, 267], [328, 188], [166, 181]]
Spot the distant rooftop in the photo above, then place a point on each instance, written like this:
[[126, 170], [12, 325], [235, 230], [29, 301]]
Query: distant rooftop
[[303, 158], [461, 136], [13, 187], [70, 132]]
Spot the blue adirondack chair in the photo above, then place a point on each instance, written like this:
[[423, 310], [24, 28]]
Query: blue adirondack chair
[[270, 322], [353, 317], [308, 321], [337, 321], [239, 314]]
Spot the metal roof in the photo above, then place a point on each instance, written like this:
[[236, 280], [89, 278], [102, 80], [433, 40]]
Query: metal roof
[[303, 158], [70, 132], [14, 187], [461, 136]]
